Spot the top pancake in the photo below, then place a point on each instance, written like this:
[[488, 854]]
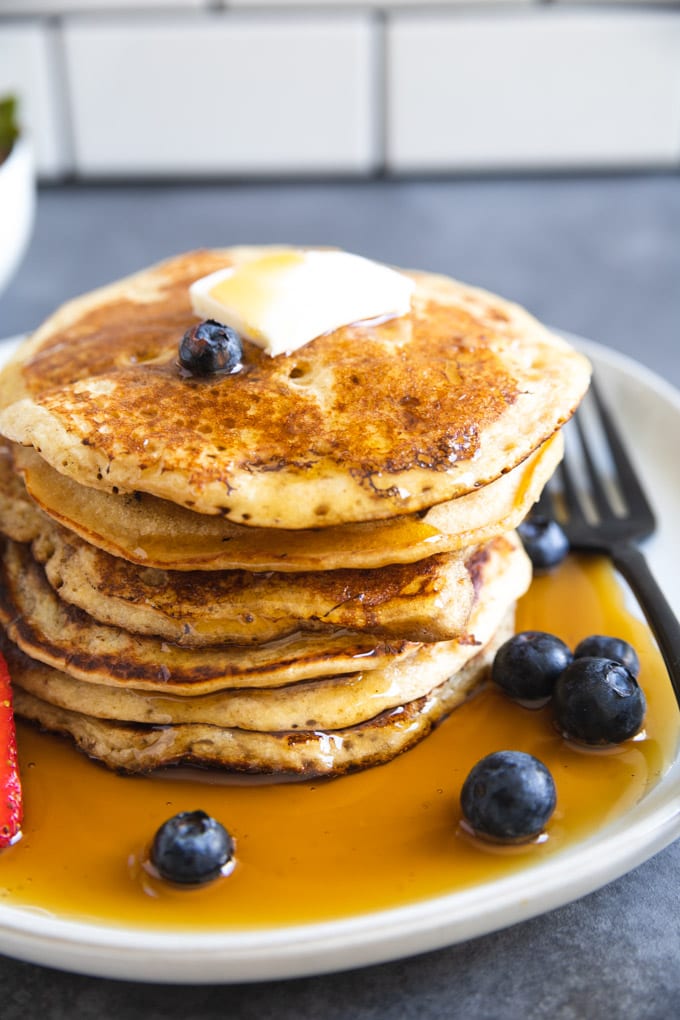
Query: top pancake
[[365, 423]]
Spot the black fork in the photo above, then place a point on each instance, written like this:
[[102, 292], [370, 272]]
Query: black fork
[[597, 498]]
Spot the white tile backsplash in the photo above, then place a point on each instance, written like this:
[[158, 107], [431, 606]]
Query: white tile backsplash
[[548, 88], [57, 7], [223, 95], [640, 4], [264, 87], [28, 70], [381, 5]]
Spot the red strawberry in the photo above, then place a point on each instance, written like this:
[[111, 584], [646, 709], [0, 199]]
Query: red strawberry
[[11, 808]]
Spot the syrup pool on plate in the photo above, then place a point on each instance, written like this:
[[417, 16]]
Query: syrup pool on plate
[[316, 850]]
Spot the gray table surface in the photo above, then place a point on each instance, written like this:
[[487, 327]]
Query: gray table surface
[[597, 256]]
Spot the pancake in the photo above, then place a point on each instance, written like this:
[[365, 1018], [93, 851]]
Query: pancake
[[298, 568], [61, 636], [157, 533], [50, 630], [329, 704], [425, 601], [20, 518], [139, 747], [372, 421]]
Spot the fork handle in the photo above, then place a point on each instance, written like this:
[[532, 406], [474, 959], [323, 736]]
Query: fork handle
[[662, 620]]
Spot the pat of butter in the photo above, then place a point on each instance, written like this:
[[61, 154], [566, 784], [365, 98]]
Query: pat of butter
[[286, 298]]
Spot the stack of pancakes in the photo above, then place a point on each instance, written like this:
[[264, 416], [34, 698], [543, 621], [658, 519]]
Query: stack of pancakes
[[299, 568]]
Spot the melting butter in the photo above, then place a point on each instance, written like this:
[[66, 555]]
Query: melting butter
[[286, 298]]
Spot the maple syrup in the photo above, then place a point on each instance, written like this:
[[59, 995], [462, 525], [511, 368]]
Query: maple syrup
[[316, 850]]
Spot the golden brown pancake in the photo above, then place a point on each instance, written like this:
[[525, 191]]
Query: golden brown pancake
[[369, 422], [50, 630], [61, 636], [425, 601], [328, 703], [157, 533], [299, 568], [139, 747]]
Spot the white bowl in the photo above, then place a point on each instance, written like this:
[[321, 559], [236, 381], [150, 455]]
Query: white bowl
[[17, 207]]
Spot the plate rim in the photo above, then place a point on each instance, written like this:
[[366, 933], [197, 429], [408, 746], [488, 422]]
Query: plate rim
[[297, 950]]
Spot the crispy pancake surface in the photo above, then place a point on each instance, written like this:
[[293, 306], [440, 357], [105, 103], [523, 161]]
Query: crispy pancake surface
[[299, 568], [140, 747], [156, 533], [62, 636], [59, 635], [429, 600], [328, 703], [365, 423], [322, 703], [425, 601]]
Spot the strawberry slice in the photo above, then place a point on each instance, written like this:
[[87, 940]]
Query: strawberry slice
[[11, 807]]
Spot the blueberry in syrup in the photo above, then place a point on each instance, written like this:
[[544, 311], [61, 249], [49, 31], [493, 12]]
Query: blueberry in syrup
[[508, 796], [191, 848], [209, 348], [598, 701], [603, 647], [527, 666], [544, 541]]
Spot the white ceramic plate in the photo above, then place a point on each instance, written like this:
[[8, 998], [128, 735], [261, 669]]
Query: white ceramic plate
[[648, 410]]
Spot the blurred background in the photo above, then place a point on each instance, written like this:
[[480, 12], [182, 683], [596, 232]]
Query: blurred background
[[168, 88]]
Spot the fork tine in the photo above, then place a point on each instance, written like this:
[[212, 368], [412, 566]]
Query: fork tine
[[598, 493], [570, 492], [629, 484]]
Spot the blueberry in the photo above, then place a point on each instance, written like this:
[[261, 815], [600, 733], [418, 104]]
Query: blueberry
[[209, 348], [191, 848], [609, 648], [508, 796], [598, 701], [544, 541], [527, 666]]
